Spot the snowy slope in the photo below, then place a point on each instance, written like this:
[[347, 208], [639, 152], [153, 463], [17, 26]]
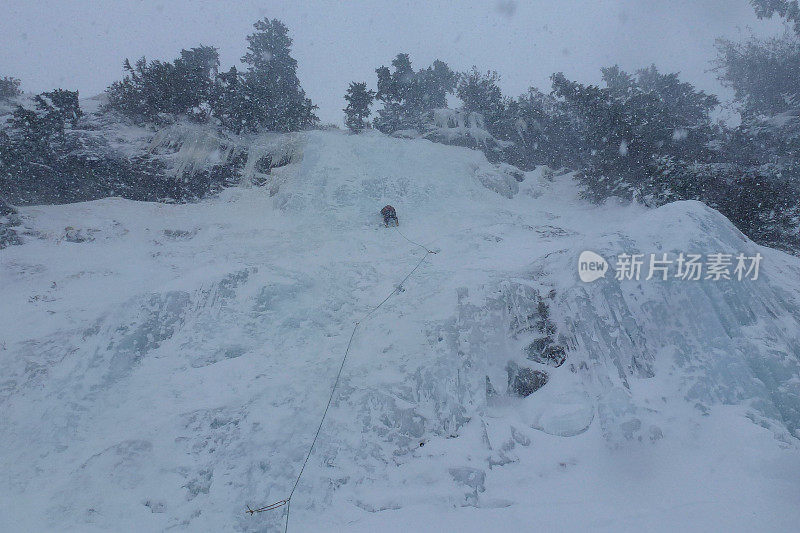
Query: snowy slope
[[171, 368]]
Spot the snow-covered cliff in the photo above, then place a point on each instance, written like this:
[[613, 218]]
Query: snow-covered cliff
[[163, 366]]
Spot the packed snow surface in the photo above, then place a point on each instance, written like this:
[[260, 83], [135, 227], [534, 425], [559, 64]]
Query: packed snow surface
[[164, 366]]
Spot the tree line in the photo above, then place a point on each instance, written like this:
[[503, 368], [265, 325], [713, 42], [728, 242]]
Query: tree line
[[646, 136], [267, 95], [49, 155]]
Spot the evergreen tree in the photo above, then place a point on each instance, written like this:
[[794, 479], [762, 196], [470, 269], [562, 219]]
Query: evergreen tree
[[394, 88], [481, 94], [543, 132], [35, 152], [765, 147], [764, 74], [276, 102], [626, 126], [61, 105], [359, 98], [267, 96], [408, 96], [28, 138], [36, 134], [763, 206], [9, 88], [162, 90], [435, 83], [229, 101], [57, 109], [787, 9], [197, 70]]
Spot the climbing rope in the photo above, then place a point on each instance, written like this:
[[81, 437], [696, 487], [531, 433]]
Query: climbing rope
[[414, 243], [287, 502]]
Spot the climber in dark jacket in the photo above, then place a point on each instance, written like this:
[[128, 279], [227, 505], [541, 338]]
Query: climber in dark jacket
[[389, 215]]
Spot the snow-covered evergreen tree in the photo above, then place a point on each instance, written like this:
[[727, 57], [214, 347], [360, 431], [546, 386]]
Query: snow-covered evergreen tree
[[627, 125], [359, 99], [229, 101], [9, 87], [267, 96], [480, 94], [159, 91], [764, 76], [408, 96], [787, 9], [275, 101]]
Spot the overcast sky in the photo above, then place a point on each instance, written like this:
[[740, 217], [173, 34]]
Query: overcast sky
[[77, 44]]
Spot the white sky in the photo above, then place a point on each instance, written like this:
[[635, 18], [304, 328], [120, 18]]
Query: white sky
[[81, 44]]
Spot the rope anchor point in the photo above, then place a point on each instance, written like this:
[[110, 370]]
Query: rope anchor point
[[270, 507]]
